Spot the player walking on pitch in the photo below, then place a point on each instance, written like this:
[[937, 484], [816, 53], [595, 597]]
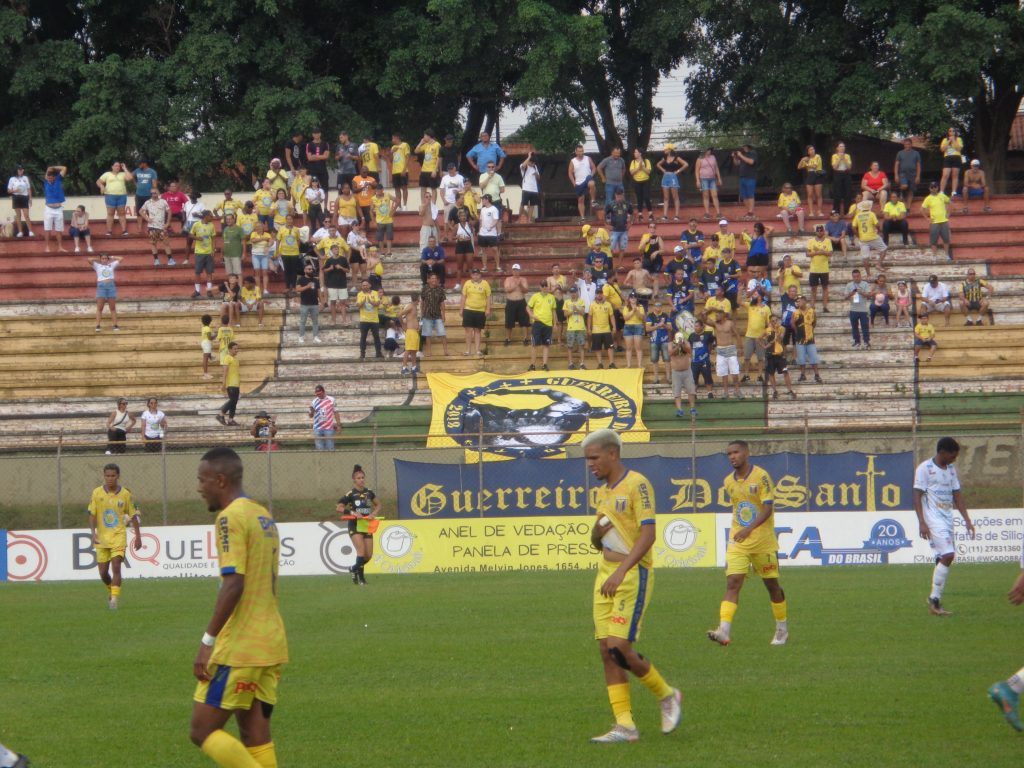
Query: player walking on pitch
[[241, 653], [110, 509], [11, 759], [752, 543], [1006, 693], [624, 530], [936, 492]]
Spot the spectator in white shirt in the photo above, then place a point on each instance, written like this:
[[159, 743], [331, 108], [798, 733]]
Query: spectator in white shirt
[[531, 188], [20, 189], [935, 297], [488, 233]]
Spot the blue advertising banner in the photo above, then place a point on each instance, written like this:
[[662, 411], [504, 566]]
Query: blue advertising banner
[[841, 482]]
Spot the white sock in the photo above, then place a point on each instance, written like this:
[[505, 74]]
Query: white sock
[[197, 287], [939, 580], [209, 285], [7, 758], [1017, 682], [783, 625], [725, 627]]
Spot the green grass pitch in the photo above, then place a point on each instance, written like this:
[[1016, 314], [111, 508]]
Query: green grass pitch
[[501, 670]]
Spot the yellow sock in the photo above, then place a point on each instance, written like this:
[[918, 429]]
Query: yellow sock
[[727, 610], [656, 684], [109, 588], [618, 695], [115, 591], [227, 751], [779, 611], [264, 755]]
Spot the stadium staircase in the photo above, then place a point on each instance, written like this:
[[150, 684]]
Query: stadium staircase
[[62, 377]]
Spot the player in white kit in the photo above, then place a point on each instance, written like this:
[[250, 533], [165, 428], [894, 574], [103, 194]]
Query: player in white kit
[[936, 494]]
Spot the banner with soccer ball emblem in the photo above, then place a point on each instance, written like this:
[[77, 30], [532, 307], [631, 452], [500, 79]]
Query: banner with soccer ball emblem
[[535, 415]]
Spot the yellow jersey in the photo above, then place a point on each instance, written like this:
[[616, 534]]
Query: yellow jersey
[[247, 221], [895, 210], [299, 200], [935, 207], [250, 295], [924, 331], [234, 377], [399, 157], [790, 201], [112, 512], [477, 293], [225, 335], [260, 242], [348, 206], [714, 305], [115, 183], [809, 319], [369, 306], [325, 245], [248, 544], [264, 201], [749, 497], [640, 170], [288, 241], [951, 148], [383, 208], [791, 276], [575, 322], [230, 208], [203, 234], [597, 239], [808, 163], [206, 334], [727, 240], [543, 307], [841, 162], [820, 252], [865, 224], [369, 152], [613, 295], [633, 317], [628, 504], [758, 318], [602, 314], [472, 205], [431, 156]]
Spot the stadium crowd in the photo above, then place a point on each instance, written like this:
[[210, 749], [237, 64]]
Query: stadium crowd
[[678, 301]]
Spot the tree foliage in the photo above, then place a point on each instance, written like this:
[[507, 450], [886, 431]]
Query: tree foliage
[[551, 131]]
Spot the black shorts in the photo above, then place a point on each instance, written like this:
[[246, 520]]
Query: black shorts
[[814, 279], [487, 241], [516, 314], [775, 364], [758, 260], [471, 318], [345, 179], [531, 198], [356, 258], [19, 202], [464, 246], [600, 341], [541, 333], [974, 306], [139, 202], [429, 180], [952, 161], [399, 180]]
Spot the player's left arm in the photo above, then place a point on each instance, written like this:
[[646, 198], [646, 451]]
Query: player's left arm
[[961, 506], [136, 528], [375, 503]]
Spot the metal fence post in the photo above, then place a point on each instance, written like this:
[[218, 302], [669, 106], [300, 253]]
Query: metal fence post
[[1020, 452], [913, 436], [163, 469], [60, 480], [376, 474], [270, 477], [693, 463], [480, 468], [807, 461]]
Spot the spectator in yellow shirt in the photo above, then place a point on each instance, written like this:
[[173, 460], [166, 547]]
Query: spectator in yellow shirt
[[951, 147], [924, 337], [113, 185], [789, 206], [814, 179], [894, 216], [936, 208], [277, 176], [400, 152]]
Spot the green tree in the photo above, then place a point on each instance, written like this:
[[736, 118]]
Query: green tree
[[550, 130]]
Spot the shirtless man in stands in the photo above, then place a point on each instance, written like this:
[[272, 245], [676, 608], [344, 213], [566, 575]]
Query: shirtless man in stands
[[515, 305], [727, 361], [976, 186], [640, 281]]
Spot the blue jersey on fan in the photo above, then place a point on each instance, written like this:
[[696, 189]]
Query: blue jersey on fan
[[728, 275], [694, 241], [659, 335], [701, 343], [681, 297]]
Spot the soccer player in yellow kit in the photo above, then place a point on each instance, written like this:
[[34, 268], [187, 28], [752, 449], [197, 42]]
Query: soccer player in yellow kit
[[241, 653], [752, 542], [110, 509], [624, 582]]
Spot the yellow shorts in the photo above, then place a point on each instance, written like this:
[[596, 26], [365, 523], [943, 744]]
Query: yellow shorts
[[412, 341], [106, 554], [764, 564], [622, 615], [235, 687]]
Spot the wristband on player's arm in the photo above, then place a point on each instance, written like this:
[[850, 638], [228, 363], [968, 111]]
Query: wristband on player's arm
[[208, 639]]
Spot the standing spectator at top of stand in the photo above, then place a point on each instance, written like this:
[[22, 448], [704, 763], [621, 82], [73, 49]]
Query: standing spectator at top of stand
[[318, 152], [612, 171], [708, 180], [294, 154], [952, 148], [485, 152], [113, 185], [842, 183], [907, 171], [745, 160], [581, 175], [20, 189]]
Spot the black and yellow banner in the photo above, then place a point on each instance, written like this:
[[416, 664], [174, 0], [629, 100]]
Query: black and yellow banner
[[536, 415]]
